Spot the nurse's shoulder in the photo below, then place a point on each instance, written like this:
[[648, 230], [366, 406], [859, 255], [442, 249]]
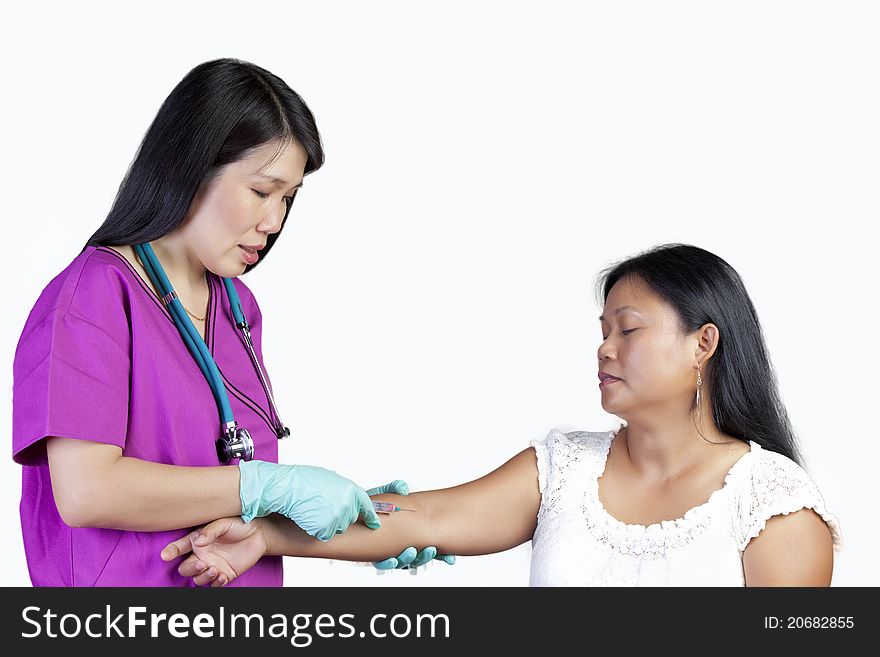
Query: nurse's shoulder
[[91, 288], [99, 290]]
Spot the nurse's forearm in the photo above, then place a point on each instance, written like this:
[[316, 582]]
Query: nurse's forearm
[[95, 486]]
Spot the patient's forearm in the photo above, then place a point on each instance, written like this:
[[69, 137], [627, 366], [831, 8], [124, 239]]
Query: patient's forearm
[[490, 514], [358, 543], [432, 522]]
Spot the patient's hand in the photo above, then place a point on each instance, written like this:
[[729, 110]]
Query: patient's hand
[[221, 550]]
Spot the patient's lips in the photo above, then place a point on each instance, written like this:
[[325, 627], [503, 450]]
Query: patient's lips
[[606, 379]]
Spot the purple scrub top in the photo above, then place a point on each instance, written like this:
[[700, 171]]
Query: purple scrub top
[[100, 359]]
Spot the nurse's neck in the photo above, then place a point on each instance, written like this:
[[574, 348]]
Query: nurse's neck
[[184, 270]]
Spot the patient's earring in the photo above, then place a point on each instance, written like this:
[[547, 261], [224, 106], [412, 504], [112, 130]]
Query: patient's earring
[[699, 394]]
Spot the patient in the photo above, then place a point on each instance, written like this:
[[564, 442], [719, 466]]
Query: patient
[[700, 486]]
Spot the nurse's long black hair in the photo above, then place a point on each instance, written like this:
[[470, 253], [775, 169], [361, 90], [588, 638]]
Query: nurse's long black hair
[[703, 289], [217, 114]]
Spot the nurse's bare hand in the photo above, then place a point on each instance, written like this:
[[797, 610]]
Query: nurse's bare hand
[[221, 550]]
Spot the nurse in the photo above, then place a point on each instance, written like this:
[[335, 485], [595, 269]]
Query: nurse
[[114, 422]]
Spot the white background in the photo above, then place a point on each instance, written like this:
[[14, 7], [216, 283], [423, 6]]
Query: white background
[[430, 307]]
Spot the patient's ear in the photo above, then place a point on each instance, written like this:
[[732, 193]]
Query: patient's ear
[[707, 337]]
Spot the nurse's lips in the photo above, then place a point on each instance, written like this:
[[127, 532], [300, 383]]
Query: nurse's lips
[[606, 379], [249, 253]]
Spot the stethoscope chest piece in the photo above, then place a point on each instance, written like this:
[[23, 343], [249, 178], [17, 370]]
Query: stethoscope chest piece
[[236, 444]]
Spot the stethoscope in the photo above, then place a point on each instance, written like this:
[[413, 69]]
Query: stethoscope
[[235, 442]]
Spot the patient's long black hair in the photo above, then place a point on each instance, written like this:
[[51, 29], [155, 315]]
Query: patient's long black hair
[[704, 289], [217, 114]]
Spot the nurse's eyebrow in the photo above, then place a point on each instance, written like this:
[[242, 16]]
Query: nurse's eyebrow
[[277, 181], [618, 311]]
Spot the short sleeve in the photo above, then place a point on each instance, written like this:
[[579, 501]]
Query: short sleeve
[[778, 486], [542, 453], [71, 371], [547, 453]]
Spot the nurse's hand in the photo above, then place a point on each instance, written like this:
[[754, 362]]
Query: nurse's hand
[[221, 550], [410, 557], [320, 501]]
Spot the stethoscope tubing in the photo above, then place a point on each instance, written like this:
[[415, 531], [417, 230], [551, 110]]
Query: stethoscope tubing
[[230, 441], [188, 332]]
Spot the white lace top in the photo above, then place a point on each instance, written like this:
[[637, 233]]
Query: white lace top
[[578, 543]]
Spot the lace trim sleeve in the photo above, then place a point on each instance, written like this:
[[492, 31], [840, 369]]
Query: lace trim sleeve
[[779, 486], [544, 452]]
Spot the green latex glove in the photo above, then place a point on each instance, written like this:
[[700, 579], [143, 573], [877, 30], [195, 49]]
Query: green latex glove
[[409, 558], [320, 501]]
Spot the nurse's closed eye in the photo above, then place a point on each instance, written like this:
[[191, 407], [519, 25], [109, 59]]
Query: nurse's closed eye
[[260, 194]]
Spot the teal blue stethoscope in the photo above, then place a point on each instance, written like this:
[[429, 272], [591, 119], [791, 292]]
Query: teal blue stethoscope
[[235, 442]]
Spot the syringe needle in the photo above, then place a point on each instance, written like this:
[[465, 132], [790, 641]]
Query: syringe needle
[[387, 507]]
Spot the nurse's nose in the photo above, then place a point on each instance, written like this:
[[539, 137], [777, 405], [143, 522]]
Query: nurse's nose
[[273, 219]]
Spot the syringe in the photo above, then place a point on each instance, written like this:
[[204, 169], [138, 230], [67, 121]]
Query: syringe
[[387, 507]]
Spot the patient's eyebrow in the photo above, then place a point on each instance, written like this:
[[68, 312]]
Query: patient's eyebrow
[[618, 311]]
